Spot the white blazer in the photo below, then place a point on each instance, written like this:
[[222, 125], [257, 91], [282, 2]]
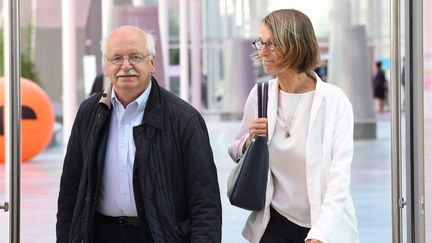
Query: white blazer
[[329, 152]]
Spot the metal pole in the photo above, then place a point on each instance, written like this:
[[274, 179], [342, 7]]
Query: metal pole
[[69, 66], [13, 114], [398, 201], [414, 69]]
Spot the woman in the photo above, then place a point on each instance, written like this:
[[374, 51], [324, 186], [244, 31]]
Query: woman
[[310, 138], [380, 86]]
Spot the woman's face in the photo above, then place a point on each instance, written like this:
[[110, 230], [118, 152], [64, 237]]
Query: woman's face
[[270, 59]]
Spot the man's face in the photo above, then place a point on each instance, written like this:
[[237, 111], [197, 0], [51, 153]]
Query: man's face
[[130, 73]]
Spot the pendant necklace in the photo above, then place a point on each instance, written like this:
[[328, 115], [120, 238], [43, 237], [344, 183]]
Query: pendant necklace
[[288, 126]]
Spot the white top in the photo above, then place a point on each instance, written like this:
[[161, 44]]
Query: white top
[[117, 195], [288, 157]]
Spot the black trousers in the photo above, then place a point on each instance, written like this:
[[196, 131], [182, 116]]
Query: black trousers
[[281, 230], [109, 230]]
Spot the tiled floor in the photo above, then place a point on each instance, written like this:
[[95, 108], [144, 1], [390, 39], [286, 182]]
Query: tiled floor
[[370, 188]]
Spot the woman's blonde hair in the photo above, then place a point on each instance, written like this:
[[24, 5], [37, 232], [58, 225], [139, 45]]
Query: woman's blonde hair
[[294, 35]]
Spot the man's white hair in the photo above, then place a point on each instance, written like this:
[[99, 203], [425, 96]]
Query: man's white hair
[[149, 37]]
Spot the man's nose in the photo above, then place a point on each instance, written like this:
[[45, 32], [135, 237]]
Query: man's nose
[[126, 64]]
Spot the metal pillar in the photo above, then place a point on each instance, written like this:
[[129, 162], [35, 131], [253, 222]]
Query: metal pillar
[[398, 202], [415, 163], [13, 115]]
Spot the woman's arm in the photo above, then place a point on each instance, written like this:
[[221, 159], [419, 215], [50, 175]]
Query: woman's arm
[[235, 149]]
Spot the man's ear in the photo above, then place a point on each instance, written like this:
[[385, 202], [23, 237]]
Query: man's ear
[[153, 66], [105, 70]]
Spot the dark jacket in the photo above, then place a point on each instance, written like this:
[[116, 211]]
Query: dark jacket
[[173, 170]]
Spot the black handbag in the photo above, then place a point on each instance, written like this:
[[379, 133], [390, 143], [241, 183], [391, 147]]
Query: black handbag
[[247, 182]]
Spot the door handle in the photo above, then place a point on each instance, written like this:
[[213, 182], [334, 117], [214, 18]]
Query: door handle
[[5, 207]]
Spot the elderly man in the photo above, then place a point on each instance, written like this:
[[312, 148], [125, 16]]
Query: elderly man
[[139, 166]]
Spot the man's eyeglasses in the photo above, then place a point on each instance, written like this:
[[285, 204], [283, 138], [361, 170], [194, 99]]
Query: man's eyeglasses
[[259, 45], [134, 59]]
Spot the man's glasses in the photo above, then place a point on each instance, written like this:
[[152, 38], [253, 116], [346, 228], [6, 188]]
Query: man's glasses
[[259, 45], [134, 59]]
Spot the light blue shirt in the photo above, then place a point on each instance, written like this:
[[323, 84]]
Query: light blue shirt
[[117, 195]]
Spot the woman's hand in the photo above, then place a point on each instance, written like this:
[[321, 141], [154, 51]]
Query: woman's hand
[[313, 241], [258, 127]]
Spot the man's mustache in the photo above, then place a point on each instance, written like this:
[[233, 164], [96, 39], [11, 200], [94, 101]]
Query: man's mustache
[[130, 72]]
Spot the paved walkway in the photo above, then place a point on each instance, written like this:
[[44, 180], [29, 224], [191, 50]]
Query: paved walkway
[[370, 187]]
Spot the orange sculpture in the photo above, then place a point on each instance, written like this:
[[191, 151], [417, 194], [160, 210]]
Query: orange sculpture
[[37, 120]]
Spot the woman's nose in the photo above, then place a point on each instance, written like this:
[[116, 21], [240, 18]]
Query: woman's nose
[[263, 51]]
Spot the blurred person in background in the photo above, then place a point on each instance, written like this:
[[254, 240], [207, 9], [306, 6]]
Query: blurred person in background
[[380, 86], [321, 70], [310, 138], [138, 166], [98, 84]]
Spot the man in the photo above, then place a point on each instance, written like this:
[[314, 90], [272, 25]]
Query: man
[[139, 166]]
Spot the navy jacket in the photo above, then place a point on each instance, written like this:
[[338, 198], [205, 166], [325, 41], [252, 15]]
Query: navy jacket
[[173, 169]]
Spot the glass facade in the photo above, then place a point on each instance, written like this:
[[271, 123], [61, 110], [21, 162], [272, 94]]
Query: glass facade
[[226, 74]]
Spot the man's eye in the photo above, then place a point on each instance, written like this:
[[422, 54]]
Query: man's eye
[[136, 58], [117, 59]]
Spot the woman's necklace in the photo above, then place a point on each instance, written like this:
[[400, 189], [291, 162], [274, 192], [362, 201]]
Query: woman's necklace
[[287, 127]]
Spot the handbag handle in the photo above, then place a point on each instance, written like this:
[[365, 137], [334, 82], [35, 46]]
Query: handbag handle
[[262, 93]]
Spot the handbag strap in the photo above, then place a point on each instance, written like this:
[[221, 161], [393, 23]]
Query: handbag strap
[[265, 99], [262, 93], [259, 93]]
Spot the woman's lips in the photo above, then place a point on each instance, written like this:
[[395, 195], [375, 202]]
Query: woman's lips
[[266, 63]]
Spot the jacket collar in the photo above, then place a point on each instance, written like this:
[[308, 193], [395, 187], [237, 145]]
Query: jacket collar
[[106, 96], [153, 113], [316, 103]]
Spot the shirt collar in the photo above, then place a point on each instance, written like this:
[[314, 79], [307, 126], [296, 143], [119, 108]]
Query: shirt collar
[[141, 101]]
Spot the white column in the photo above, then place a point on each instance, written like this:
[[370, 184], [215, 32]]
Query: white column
[[164, 35], [69, 66], [375, 29], [350, 68], [355, 11], [184, 50], [196, 53], [136, 2], [254, 20], [340, 18], [107, 6], [33, 30]]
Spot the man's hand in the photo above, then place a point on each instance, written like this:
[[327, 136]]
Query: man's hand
[[313, 241]]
